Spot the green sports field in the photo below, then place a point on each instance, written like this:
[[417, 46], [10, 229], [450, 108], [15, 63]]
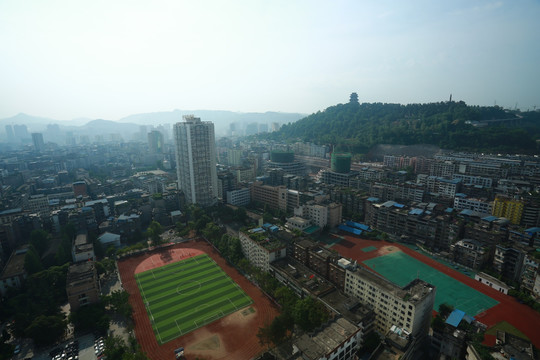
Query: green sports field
[[188, 294], [401, 269]]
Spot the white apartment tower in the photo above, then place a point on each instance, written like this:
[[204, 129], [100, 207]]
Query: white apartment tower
[[196, 160]]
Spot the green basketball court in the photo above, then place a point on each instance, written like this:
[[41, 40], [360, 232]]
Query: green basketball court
[[401, 269]]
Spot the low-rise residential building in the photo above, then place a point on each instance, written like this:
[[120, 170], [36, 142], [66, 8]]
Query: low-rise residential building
[[479, 205], [107, 239], [407, 307], [318, 214], [398, 192], [486, 182], [82, 284], [38, 204], [335, 214], [339, 339], [13, 274], [239, 197], [275, 197], [471, 253], [298, 223], [449, 338], [336, 178], [509, 208], [397, 344], [261, 248], [492, 282], [531, 265], [322, 261], [81, 249], [508, 261]]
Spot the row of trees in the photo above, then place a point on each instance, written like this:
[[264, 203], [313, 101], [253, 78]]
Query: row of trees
[[307, 313]]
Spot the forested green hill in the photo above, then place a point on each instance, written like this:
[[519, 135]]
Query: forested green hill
[[357, 127]]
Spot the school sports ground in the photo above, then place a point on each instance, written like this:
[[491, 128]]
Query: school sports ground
[[400, 264], [186, 295]]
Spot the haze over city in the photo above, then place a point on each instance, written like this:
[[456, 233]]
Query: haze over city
[[66, 60], [269, 180]]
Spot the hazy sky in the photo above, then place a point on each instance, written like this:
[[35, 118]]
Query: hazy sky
[[109, 59]]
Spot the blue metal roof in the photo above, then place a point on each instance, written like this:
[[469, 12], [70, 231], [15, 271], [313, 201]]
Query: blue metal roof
[[372, 199], [350, 229], [11, 211], [455, 317], [416, 212], [533, 230], [357, 225], [490, 218]]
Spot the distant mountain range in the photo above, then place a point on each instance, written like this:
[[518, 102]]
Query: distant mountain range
[[129, 126]]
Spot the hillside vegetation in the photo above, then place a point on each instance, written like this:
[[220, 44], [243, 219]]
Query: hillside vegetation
[[357, 127]]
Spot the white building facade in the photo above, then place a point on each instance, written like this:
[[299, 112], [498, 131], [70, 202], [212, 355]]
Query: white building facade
[[409, 307], [258, 253], [196, 160]]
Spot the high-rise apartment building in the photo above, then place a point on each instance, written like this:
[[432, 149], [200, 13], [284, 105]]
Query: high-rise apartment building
[[196, 160], [37, 139], [10, 136], [155, 142]]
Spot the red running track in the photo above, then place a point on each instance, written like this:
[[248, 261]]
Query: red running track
[[235, 335], [508, 309]]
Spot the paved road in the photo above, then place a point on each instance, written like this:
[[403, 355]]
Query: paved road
[[86, 349]]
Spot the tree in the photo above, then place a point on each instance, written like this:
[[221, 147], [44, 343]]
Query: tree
[[309, 314], [90, 317], [275, 332], [41, 240], [6, 350], [240, 214], [264, 335], [211, 231], [99, 249], [46, 330], [32, 261], [63, 254], [370, 343], [286, 297], [118, 301], [116, 348], [201, 222], [445, 310], [154, 232], [235, 250]]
